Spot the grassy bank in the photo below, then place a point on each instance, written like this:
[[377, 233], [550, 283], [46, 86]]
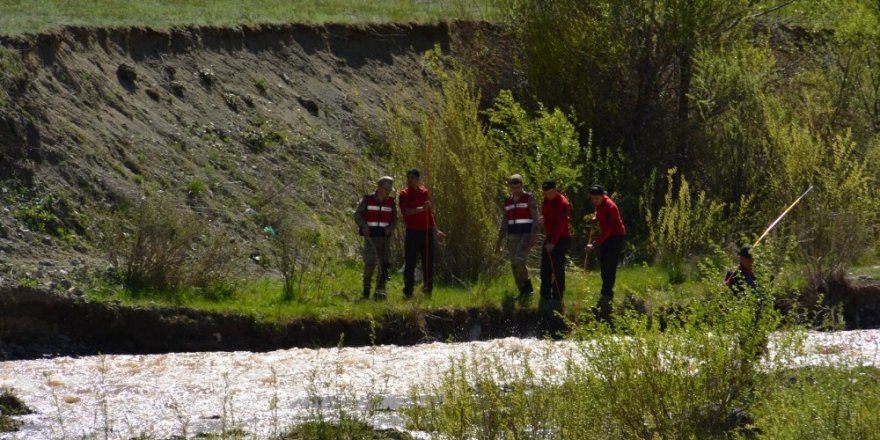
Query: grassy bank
[[336, 292], [18, 16], [711, 374]]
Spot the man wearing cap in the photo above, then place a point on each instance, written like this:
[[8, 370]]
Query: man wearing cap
[[376, 217], [415, 205], [612, 235], [518, 224], [744, 275], [556, 213]]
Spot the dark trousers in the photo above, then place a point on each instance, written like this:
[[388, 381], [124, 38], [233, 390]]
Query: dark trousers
[[553, 269], [609, 255], [418, 243]]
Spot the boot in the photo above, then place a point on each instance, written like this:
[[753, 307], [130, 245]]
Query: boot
[[366, 292], [380, 294], [526, 290]]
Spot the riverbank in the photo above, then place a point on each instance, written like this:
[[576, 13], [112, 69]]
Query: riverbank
[[40, 323]]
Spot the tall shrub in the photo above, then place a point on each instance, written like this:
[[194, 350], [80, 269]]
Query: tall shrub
[[445, 138], [160, 245], [540, 147], [686, 223]]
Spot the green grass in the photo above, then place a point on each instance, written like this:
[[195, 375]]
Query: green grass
[[822, 402], [334, 293], [19, 16]]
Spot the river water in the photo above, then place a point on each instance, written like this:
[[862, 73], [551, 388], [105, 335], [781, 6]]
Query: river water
[[165, 395]]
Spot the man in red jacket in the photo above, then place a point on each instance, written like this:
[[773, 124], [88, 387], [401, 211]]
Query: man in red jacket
[[610, 242], [415, 205], [556, 212]]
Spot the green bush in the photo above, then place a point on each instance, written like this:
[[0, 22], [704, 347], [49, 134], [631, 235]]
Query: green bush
[[160, 246], [464, 170], [542, 147], [691, 373], [688, 223], [11, 405], [831, 401]]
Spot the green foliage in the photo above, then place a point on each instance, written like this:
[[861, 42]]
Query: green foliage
[[20, 17], [196, 186], [687, 222], [297, 244], [624, 67], [829, 401], [162, 248], [542, 147], [51, 214], [11, 405], [678, 375], [262, 85], [461, 166], [345, 429], [265, 135]]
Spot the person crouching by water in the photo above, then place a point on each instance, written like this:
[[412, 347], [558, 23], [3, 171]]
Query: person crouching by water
[[612, 235], [518, 226], [376, 216], [744, 275]]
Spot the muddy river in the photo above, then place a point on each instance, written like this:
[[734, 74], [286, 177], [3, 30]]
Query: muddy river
[[168, 395]]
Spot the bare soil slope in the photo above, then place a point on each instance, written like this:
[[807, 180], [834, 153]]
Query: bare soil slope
[[91, 119]]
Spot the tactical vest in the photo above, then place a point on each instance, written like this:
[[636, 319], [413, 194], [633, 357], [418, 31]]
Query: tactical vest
[[378, 215], [519, 217]]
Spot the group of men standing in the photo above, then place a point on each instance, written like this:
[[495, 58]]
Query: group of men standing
[[376, 216], [520, 224]]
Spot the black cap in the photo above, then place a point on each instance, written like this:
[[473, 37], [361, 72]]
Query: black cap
[[413, 172], [548, 184], [596, 190], [746, 251]]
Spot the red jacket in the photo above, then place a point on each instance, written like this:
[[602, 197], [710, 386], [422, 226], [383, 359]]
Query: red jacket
[[414, 198], [557, 214], [610, 223]]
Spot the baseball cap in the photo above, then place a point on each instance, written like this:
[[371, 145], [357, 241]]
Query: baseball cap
[[548, 184], [387, 182], [413, 172]]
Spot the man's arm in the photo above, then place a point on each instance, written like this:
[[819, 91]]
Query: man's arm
[[360, 213], [502, 226], [360, 216], [426, 206], [533, 213], [393, 222]]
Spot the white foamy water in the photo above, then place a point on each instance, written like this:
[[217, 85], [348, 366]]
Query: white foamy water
[[187, 393]]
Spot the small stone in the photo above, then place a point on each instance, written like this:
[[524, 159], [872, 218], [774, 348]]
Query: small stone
[[153, 94], [308, 104], [126, 72]]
